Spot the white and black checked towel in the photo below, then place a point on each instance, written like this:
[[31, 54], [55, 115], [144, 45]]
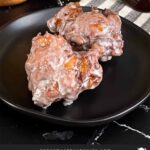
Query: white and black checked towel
[[139, 18]]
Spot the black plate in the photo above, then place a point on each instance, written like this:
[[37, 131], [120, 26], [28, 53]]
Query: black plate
[[126, 81]]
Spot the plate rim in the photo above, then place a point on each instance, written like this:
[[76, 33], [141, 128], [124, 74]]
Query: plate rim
[[47, 9], [66, 122]]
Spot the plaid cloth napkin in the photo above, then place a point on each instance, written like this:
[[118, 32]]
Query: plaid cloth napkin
[[139, 18]]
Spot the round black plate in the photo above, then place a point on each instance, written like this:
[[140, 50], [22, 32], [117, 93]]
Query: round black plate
[[125, 85]]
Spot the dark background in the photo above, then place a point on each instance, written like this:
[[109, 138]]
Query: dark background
[[16, 128]]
